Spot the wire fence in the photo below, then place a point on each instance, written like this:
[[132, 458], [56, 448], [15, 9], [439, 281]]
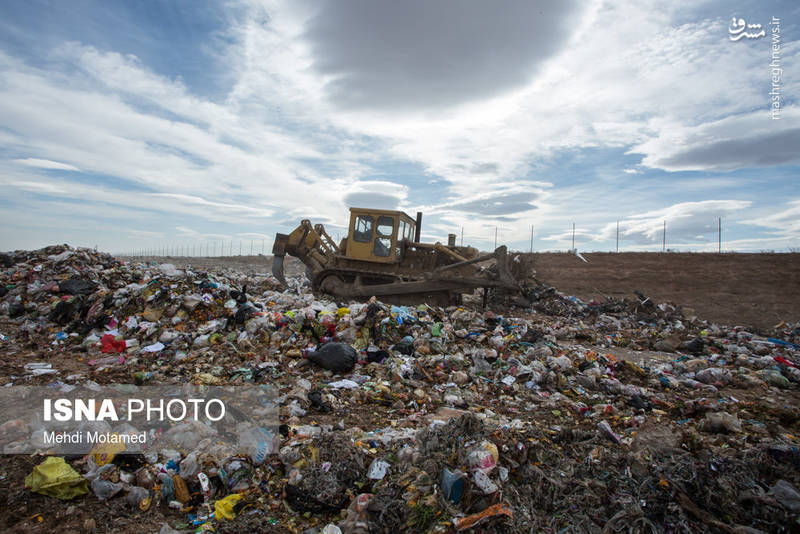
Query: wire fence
[[488, 238], [206, 248]]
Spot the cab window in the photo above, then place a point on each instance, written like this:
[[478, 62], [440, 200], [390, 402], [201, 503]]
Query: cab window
[[383, 246], [385, 226], [401, 231], [362, 231]]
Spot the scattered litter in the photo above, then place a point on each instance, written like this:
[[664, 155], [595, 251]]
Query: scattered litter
[[561, 415]]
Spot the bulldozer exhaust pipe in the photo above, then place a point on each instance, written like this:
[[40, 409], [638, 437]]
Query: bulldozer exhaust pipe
[[418, 229]]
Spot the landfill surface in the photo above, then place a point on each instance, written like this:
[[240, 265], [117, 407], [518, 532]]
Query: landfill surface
[[754, 289], [565, 416]]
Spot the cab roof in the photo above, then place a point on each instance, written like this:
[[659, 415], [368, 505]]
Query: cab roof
[[369, 211]]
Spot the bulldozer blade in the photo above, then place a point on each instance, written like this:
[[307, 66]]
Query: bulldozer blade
[[277, 269], [501, 254]]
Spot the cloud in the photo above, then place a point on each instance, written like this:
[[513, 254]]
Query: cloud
[[636, 90], [233, 209], [581, 236], [184, 232], [46, 164], [38, 187], [372, 200], [497, 204], [785, 223], [741, 141], [420, 54], [144, 234], [187, 232], [378, 194], [580, 97], [254, 235], [114, 134], [756, 151]]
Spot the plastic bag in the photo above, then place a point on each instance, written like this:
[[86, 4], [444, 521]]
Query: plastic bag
[[223, 508], [339, 357], [105, 489], [55, 478]]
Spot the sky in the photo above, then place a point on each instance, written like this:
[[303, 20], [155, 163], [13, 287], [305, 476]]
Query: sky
[[145, 125]]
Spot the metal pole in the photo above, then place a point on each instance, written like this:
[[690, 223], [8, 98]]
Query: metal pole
[[251, 247], [262, 247], [240, 247], [230, 253], [719, 234], [664, 238], [531, 238], [462, 236], [573, 236], [617, 236], [495, 237]]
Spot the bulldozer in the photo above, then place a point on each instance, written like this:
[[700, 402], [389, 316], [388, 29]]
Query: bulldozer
[[382, 256]]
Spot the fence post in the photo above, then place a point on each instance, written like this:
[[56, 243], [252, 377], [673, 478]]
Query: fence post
[[531, 238], [573, 236]]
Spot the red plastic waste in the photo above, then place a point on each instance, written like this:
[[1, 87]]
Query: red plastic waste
[[109, 343]]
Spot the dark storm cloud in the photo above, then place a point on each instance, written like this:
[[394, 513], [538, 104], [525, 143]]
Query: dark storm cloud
[[380, 201], [419, 53], [761, 151], [497, 205]]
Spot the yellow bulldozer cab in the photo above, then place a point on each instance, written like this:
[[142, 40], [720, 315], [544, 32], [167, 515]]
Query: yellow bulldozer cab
[[378, 235]]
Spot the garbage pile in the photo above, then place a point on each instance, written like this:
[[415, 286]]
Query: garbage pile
[[566, 416]]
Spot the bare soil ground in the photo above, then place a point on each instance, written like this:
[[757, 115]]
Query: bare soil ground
[[757, 290]]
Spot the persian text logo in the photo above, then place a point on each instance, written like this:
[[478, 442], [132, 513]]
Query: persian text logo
[[737, 30]]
